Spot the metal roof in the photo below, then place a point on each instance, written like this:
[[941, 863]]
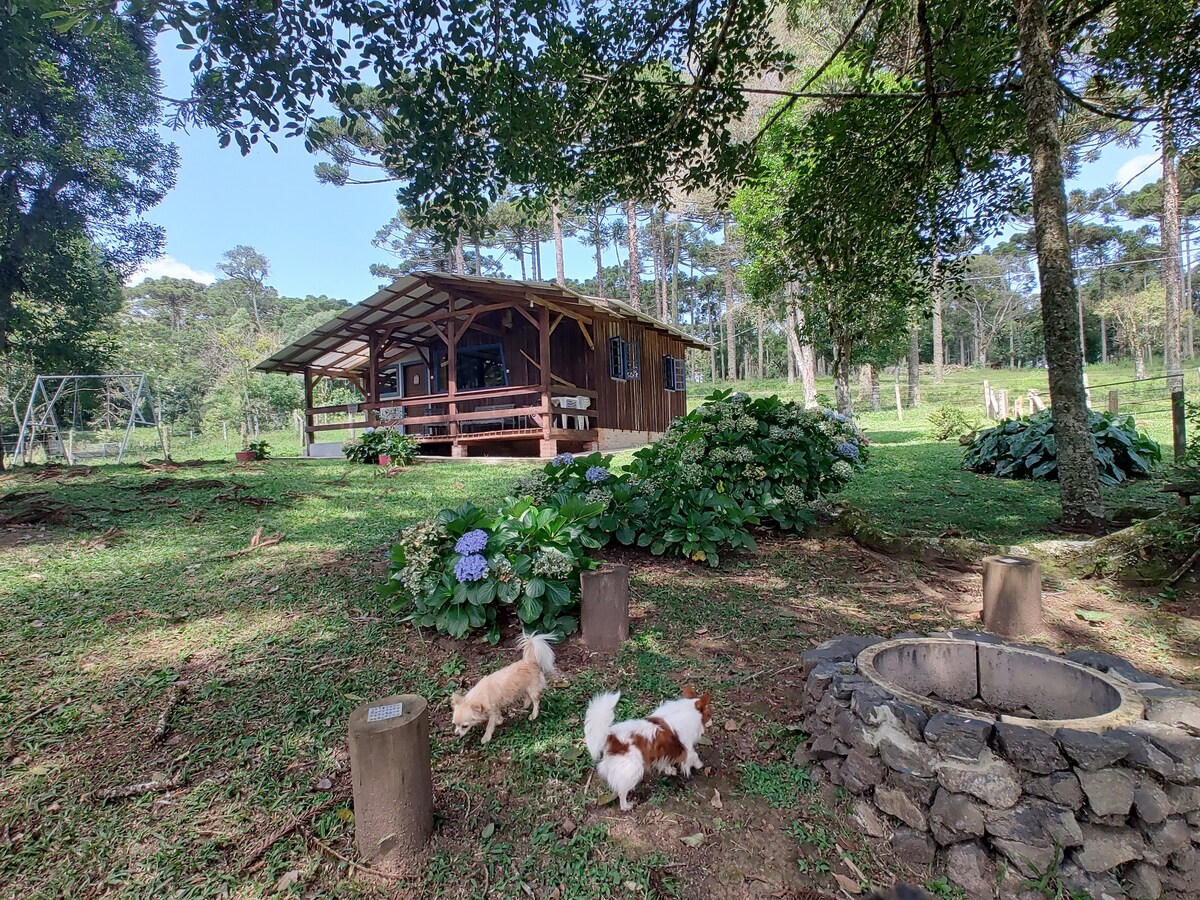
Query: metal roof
[[339, 347]]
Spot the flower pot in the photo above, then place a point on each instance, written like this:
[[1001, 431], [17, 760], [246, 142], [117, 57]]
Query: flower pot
[[245, 455], [385, 460]]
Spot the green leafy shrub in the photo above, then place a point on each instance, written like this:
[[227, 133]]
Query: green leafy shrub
[[731, 463], [377, 442], [260, 449], [457, 572], [1025, 448], [950, 421]]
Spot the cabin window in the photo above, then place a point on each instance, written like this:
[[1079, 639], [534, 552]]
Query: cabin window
[[478, 368], [624, 359], [674, 373], [388, 381]]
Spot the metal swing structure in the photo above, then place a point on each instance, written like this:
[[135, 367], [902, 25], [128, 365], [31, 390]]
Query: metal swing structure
[[41, 424]]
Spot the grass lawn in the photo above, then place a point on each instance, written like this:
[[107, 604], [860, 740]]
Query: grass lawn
[[133, 586]]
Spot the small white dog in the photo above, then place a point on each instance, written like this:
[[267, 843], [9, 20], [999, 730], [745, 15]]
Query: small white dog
[[664, 741], [521, 681]]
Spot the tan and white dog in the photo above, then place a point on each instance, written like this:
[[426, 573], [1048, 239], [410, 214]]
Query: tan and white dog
[[522, 682]]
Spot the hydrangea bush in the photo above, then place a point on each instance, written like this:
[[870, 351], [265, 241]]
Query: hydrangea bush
[[377, 442], [457, 572]]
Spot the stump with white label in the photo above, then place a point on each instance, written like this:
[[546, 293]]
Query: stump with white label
[[604, 606], [392, 778], [1012, 596]]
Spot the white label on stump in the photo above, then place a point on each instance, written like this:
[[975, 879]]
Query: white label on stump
[[387, 711]]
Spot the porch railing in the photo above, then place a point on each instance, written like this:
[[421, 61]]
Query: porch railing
[[414, 412]]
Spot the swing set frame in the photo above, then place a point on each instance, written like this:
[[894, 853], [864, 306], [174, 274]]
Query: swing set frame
[[49, 389]]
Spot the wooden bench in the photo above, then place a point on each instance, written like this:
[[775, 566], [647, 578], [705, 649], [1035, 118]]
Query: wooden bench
[[1185, 489]]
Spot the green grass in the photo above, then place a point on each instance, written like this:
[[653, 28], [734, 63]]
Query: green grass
[[915, 484]]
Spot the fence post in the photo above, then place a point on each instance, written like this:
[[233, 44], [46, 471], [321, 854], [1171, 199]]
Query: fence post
[[1018, 407], [987, 399], [1003, 404], [1178, 428], [1114, 405]]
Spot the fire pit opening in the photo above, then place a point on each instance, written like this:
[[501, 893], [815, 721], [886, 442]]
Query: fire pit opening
[[996, 681]]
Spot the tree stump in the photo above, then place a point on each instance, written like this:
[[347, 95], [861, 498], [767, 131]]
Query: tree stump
[[1012, 596], [392, 779], [605, 606]]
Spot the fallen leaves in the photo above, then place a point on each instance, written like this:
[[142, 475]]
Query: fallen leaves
[[716, 800], [693, 840], [257, 542]]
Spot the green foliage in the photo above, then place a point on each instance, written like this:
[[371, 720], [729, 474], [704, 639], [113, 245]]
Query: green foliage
[[80, 155], [1192, 459], [383, 441], [950, 421], [730, 463], [260, 449], [1025, 448], [458, 572]]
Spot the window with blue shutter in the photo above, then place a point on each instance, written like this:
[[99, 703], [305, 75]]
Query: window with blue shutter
[[624, 359], [674, 374]]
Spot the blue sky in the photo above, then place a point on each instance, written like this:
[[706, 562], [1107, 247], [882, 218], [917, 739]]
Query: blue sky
[[318, 237]]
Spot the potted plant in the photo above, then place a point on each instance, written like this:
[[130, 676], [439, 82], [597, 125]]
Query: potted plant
[[383, 446], [255, 450]]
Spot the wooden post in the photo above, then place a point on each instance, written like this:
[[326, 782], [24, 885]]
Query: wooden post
[[1018, 406], [544, 361], [392, 779], [1114, 403], [305, 435], [604, 607], [1003, 404], [1012, 596], [1178, 425], [456, 449], [372, 374]]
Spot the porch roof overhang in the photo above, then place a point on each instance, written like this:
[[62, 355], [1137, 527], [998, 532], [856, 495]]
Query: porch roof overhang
[[407, 311]]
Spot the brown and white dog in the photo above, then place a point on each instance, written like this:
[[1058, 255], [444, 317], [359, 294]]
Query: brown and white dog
[[664, 741], [521, 682]]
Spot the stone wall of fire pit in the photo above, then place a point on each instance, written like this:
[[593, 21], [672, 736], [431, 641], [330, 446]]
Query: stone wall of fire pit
[[1090, 767]]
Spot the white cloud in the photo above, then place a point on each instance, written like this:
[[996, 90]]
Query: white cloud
[[170, 267], [1132, 171]]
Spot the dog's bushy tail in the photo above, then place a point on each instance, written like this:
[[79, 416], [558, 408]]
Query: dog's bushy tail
[[536, 648], [598, 721]]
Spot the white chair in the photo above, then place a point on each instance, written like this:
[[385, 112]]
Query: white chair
[[581, 422], [565, 403]]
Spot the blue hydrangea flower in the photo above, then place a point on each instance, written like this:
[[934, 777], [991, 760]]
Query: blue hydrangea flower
[[472, 542], [471, 568], [835, 415], [596, 475], [368, 430], [847, 450], [563, 459]]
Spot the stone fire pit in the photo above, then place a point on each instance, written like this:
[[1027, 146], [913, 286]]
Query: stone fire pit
[[1011, 760]]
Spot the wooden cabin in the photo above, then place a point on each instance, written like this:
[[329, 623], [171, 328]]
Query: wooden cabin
[[490, 367]]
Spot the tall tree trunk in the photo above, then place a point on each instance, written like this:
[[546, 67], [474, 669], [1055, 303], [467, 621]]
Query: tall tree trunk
[[656, 264], [1172, 270], [521, 254], [460, 264], [841, 379], [535, 246], [1078, 476], [712, 340], [730, 320], [478, 256], [939, 357], [599, 235], [1012, 344], [635, 265], [1103, 339], [761, 364], [675, 279], [962, 352], [914, 367], [560, 272], [873, 385]]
